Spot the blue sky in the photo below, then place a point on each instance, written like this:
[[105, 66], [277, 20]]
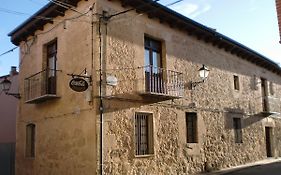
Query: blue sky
[[250, 22]]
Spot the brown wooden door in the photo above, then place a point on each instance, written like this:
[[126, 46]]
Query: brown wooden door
[[153, 66]]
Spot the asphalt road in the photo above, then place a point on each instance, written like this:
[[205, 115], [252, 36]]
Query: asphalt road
[[267, 169]]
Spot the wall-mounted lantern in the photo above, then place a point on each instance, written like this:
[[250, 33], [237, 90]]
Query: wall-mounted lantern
[[6, 85], [203, 73]]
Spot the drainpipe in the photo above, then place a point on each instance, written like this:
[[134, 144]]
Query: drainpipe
[[102, 40], [102, 47], [100, 97]]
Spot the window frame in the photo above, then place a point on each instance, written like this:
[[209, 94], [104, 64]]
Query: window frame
[[236, 82], [51, 52], [237, 129], [191, 117], [30, 140], [153, 46], [150, 135]]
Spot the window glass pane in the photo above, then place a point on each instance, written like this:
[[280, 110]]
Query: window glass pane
[[147, 60], [52, 66], [156, 61]]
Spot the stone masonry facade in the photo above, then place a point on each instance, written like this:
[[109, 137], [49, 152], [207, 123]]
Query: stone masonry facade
[[67, 139]]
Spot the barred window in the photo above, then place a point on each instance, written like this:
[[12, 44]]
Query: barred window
[[237, 130], [143, 134], [30, 140], [191, 127]]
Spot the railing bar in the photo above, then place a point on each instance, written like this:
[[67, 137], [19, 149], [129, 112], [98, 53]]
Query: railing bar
[[40, 72]]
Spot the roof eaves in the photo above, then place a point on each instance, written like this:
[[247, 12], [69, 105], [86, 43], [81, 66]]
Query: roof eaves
[[34, 16], [211, 32]]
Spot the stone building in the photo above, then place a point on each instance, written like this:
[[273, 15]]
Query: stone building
[[8, 112], [145, 110]]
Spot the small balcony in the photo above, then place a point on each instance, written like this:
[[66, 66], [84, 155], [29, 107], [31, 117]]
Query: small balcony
[[161, 83], [41, 86], [271, 105]]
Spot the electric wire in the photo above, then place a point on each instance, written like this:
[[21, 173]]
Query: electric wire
[[11, 50], [128, 10], [65, 5], [173, 3], [68, 114], [62, 21], [148, 11], [4, 10]]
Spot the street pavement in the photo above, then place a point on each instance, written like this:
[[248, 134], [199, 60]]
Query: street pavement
[[267, 169], [270, 166]]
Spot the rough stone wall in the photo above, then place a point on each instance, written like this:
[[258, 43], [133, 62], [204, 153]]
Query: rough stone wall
[[216, 102]]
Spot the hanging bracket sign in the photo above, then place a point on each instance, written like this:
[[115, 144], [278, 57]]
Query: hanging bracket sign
[[78, 84]]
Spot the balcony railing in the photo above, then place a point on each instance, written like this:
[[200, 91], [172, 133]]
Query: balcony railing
[[40, 86], [162, 82], [271, 105]]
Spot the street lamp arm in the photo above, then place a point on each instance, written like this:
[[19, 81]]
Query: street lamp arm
[[16, 95]]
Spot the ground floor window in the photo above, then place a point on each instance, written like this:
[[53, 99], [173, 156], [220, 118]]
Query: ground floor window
[[30, 140], [237, 130], [191, 127], [143, 134]]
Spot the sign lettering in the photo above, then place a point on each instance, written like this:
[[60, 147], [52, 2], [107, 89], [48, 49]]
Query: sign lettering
[[78, 84]]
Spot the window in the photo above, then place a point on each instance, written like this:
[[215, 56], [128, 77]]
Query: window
[[30, 141], [143, 134], [237, 130], [51, 67], [153, 66], [236, 82], [191, 127], [271, 88]]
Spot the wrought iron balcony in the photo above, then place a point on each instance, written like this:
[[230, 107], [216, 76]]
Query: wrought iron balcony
[[41, 86], [271, 105], [163, 83]]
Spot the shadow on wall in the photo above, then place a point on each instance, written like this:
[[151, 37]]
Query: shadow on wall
[[246, 120], [126, 101]]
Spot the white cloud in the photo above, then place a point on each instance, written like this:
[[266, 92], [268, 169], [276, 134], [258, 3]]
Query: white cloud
[[191, 10]]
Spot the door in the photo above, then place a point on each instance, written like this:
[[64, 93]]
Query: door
[[153, 66], [268, 141], [51, 68], [264, 94]]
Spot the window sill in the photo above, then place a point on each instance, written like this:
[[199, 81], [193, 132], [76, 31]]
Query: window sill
[[144, 156]]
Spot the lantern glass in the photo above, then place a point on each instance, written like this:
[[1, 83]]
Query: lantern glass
[[203, 72], [5, 85]]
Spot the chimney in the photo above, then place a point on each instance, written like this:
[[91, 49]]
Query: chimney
[[13, 70]]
